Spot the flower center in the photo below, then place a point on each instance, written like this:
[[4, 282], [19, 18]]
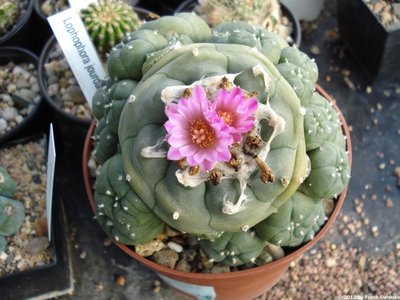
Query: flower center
[[202, 135], [226, 117]]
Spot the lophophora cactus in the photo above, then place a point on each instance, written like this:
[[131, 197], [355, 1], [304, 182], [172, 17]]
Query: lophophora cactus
[[108, 21], [8, 14], [216, 133], [12, 212]]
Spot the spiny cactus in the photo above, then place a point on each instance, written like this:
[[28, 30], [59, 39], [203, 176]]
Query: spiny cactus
[[12, 212], [108, 21], [217, 133], [8, 14]]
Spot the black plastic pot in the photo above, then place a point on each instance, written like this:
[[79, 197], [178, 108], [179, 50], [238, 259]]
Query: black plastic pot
[[69, 129], [54, 278], [36, 120], [21, 33], [189, 5], [44, 31], [167, 7], [374, 47]]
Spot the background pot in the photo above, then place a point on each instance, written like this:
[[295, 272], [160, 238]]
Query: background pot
[[70, 130], [54, 277], [189, 5], [36, 119], [246, 284], [306, 10], [21, 33], [360, 28]]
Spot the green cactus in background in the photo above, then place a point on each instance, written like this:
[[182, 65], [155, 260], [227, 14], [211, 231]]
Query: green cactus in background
[[108, 21], [8, 14], [8, 187], [266, 13], [268, 192], [3, 243], [12, 212]]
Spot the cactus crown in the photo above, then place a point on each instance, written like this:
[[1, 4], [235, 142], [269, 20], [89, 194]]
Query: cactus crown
[[108, 21], [8, 14]]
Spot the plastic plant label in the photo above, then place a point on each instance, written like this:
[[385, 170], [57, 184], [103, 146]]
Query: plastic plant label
[[201, 292], [81, 4], [78, 49], [51, 164]]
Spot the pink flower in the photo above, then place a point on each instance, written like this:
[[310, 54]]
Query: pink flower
[[196, 133], [236, 111]]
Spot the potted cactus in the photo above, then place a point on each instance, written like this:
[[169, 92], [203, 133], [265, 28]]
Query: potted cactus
[[15, 21], [272, 14], [214, 142], [27, 256], [108, 21]]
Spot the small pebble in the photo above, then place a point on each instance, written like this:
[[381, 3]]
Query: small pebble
[[37, 245], [120, 280]]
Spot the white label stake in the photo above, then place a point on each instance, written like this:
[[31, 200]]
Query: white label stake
[[51, 164], [79, 51]]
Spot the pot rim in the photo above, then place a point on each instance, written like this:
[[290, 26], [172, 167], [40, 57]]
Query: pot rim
[[43, 86], [282, 262], [27, 56]]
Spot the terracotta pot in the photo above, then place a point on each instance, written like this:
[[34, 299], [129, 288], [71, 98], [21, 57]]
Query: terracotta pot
[[238, 285]]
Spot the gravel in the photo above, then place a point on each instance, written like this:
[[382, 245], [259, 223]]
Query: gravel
[[17, 80], [62, 86], [50, 7], [29, 247]]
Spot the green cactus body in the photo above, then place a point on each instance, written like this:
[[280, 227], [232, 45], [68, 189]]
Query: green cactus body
[[253, 36], [264, 13], [121, 213], [8, 14], [127, 59], [12, 214], [295, 222], [321, 123], [268, 168], [330, 171], [108, 104], [234, 249], [108, 21], [156, 183], [3, 243], [8, 187]]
